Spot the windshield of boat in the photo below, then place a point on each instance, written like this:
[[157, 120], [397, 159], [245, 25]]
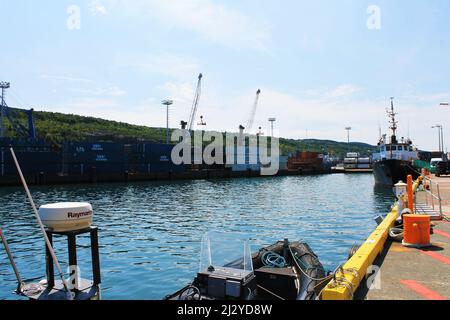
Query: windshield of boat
[[225, 250]]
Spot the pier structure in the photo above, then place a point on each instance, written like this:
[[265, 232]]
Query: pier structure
[[382, 269]]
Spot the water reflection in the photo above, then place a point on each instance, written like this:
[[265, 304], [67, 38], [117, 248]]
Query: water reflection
[[150, 233]]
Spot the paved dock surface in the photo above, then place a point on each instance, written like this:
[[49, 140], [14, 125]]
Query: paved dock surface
[[444, 186], [416, 274]]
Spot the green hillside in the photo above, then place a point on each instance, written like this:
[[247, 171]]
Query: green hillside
[[59, 127]]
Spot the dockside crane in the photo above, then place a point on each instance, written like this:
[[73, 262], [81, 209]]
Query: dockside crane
[[29, 132], [251, 118], [195, 103]]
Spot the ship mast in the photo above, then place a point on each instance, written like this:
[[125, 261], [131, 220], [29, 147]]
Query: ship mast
[[392, 122]]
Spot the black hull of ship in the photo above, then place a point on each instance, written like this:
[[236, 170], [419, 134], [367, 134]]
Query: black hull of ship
[[389, 172]]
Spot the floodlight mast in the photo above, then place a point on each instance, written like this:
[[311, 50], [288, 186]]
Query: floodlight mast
[[3, 85], [348, 133], [272, 120], [167, 103], [440, 136]]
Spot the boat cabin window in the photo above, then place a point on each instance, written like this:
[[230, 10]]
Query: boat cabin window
[[400, 148], [394, 148], [388, 148]]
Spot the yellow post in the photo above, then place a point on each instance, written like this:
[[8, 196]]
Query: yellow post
[[409, 188]]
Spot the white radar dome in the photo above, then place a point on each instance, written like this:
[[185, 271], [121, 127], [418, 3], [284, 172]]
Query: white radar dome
[[66, 216]]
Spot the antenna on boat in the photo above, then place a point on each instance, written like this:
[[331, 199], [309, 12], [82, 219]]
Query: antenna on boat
[[409, 137], [391, 114], [379, 132], [70, 294]]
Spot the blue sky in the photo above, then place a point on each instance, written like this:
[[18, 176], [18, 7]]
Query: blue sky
[[318, 64]]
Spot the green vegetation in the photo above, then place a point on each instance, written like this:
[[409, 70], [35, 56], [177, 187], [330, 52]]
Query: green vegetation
[[59, 127], [333, 148]]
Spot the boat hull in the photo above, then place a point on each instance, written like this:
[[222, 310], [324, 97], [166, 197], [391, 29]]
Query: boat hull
[[301, 278], [389, 172]]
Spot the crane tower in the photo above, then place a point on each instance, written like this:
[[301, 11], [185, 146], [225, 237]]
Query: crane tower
[[251, 119], [195, 103]]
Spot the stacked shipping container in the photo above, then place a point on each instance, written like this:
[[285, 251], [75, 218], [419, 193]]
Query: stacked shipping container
[[305, 161], [43, 161]]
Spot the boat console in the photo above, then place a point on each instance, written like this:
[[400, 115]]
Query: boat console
[[226, 269]]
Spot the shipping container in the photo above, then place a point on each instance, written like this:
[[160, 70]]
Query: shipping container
[[80, 147], [305, 161], [88, 160], [350, 160], [243, 155], [364, 160], [283, 162], [33, 158], [352, 154], [245, 167]]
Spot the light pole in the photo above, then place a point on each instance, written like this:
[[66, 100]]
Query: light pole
[[348, 134], [167, 103], [441, 137], [444, 104], [272, 120]]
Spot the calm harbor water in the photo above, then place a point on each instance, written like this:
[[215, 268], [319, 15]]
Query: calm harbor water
[[150, 233]]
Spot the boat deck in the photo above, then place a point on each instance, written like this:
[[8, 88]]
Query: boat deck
[[416, 274]]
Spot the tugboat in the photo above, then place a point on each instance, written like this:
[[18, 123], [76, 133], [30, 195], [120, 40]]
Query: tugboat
[[394, 159], [282, 271]]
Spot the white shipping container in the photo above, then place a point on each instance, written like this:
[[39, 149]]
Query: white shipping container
[[351, 160], [352, 154]]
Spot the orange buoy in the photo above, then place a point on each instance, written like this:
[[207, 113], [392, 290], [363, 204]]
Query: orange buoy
[[416, 230]]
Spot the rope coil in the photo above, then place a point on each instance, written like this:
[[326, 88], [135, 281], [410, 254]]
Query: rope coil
[[273, 260]]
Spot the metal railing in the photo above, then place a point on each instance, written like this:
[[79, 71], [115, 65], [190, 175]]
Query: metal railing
[[430, 196]]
